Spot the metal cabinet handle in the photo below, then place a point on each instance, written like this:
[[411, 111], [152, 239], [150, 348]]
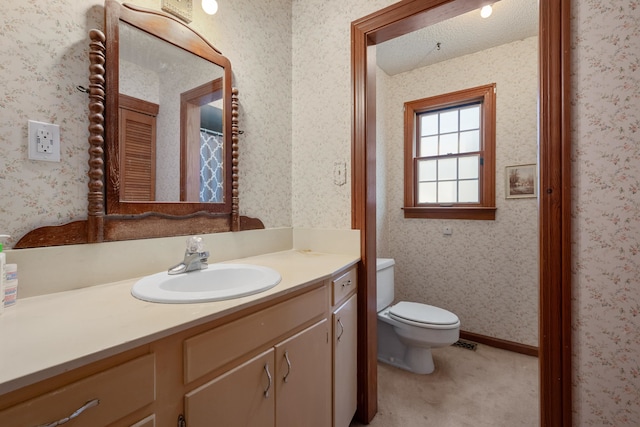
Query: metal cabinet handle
[[286, 357], [347, 283], [341, 329], [266, 369], [88, 405]]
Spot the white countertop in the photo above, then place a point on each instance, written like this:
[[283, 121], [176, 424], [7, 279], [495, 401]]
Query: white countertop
[[46, 335]]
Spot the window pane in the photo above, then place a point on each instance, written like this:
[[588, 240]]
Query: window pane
[[449, 121], [468, 167], [429, 124], [469, 141], [428, 146], [427, 170], [447, 169], [470, 118], [468, 191], [449, 143], [427, 192], [447, 192]]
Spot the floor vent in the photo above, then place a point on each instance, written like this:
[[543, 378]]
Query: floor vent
[[466, 344]]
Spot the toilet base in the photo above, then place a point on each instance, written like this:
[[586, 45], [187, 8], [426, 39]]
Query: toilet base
[[416, 360], [395, 353]]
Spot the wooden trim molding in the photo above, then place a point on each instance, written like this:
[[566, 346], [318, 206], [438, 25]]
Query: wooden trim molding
[[138, 105], [555, 214], [444, 212], [190, 103], [485, 208], [554, 201], [516, 347]]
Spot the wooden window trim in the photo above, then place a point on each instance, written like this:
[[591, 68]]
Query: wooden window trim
[[485, 210]]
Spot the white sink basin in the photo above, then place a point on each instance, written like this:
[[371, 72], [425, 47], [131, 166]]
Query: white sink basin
[[216, 283]]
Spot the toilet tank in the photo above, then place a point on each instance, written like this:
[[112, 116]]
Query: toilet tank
[[384, 282]]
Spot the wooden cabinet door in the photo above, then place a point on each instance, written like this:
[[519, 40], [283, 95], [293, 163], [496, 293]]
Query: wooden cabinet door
[[344, 362], [303, 378], [241, 397]]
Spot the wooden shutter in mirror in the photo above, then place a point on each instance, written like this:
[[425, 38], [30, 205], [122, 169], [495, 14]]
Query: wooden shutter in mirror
[[138, 144]]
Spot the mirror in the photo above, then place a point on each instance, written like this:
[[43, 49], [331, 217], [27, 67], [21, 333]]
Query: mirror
[[168, 111], [171, 133], [163, 143]]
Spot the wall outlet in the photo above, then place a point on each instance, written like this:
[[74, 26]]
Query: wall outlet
[[44, 141]]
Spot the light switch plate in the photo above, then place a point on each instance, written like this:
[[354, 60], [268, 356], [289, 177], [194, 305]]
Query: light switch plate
[[339, 173], [183, 9]]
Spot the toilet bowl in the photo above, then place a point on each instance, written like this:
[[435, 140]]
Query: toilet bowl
[[407, 331]]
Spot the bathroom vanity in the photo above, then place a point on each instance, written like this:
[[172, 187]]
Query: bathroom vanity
[[285, 357]]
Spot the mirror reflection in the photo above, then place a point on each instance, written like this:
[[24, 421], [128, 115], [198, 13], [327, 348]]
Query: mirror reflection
[[170, 120]]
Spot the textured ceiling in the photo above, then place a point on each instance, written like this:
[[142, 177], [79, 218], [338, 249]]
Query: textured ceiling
[[511, 20]]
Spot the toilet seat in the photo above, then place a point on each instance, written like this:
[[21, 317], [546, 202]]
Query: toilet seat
[[423, 315]]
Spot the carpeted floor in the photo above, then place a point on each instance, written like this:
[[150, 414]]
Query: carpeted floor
[[487, 387]]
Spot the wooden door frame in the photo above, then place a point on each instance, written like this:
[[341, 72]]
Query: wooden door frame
[[554, 199]]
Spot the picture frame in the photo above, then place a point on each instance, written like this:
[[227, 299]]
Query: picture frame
[[183, 9], [521, 181]]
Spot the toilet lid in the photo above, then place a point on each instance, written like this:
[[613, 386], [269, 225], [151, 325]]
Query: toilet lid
[[422, 313]]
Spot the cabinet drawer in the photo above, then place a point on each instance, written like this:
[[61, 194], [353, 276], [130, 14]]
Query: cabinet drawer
[[149, 421], [212, 349], [119, 390], [344, 286]]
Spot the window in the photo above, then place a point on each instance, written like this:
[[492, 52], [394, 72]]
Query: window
[[450, 155]]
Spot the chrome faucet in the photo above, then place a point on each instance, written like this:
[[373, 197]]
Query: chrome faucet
[[195, 257]]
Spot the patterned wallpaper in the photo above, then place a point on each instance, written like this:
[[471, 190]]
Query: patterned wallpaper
[[291, 147], [606, 212], [486, 271], [39, 72], [41, 69], [321, 112]]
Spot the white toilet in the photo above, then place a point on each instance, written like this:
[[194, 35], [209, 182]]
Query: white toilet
[[407, 331]]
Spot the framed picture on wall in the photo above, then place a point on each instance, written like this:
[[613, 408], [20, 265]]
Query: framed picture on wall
[[521, 181]]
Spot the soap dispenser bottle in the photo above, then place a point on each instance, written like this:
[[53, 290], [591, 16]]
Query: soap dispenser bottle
[[3, 262]]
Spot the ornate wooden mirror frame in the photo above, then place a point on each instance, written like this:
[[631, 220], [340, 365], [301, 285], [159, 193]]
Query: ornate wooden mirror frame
[[554, 199], [119, 220]]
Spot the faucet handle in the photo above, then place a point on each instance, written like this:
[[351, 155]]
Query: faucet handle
[[195, 244]]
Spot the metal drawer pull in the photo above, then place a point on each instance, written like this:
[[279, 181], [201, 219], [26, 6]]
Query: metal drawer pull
[[347, 283], [89, 404], [341, 329], [286, 357], [266, 369]]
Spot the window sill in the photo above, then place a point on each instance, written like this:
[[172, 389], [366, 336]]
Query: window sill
[[452, 212]]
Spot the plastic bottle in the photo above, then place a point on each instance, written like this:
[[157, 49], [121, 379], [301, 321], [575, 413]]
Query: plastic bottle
[[10, 285], [3, 261]]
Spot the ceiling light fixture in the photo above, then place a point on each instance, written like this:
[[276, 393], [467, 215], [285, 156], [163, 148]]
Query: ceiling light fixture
[[485, 12], [210, 7]]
